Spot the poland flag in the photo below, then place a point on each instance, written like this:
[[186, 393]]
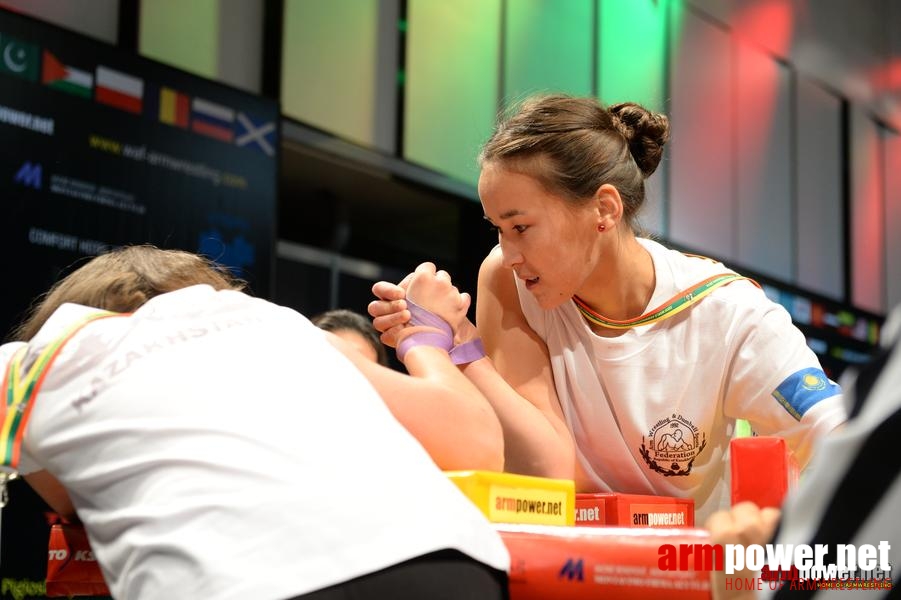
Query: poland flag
[[121, 90]]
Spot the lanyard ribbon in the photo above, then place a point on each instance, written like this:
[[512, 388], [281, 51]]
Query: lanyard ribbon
[[20, 387], [671, 307]]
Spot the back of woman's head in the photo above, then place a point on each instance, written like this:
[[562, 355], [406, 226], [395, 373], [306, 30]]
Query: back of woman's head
[[124, 279], [575, 145], [342, 319]]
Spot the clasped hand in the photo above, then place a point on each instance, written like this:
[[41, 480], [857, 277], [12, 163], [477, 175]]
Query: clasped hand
[[428, 287]]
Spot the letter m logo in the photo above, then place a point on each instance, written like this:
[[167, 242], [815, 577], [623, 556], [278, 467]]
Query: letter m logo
[[29, 175], [572, 570]]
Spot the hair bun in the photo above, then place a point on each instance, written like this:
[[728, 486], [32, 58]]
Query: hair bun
[[645, 131]]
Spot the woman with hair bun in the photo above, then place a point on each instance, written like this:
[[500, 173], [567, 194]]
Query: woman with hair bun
[[614, 360]]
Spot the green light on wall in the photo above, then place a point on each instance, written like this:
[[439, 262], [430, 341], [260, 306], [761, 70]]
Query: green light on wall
[[676, 22], [452, 76], [547, 48], [632, 51]]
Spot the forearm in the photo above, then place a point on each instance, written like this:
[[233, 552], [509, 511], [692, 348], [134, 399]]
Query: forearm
[[438, 406], [533, 445], [450, 412], [432, 364]]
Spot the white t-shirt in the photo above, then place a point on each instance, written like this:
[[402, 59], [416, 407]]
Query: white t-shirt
[[217, 446], [653, 410]]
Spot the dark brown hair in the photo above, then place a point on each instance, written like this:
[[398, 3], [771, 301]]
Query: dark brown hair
[[123, 280], [574, 145]]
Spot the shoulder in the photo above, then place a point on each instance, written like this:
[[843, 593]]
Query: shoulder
[[690, 270], [739, 302], [7, 351], [743, 309], [497, 296], [492, 264], [61, 322], [495, 279], [197, 298], [498, 289], [687, 269]]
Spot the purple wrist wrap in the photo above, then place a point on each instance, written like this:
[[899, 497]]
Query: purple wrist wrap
[[461, 354], [467, 352], [423, 316], [420, 316], [424, 338]]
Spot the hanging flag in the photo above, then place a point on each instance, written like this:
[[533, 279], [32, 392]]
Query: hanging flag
[[255, 133], [18, 58], [213, 120], [123, 91], [65, 78]]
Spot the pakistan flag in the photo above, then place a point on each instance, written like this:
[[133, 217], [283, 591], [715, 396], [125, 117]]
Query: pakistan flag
[[18, 58]]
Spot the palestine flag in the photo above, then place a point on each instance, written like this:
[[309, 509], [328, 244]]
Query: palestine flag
[[65, 78]]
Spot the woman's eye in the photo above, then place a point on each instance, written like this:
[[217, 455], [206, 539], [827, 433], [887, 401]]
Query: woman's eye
[[519, 228]]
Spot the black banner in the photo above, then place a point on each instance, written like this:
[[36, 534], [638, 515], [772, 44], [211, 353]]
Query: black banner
[[101, 148]]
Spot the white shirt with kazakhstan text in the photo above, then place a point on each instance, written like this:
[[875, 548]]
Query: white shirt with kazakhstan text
[[217, 446]]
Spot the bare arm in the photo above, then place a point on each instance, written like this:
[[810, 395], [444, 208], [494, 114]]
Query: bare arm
[[52, 491], [518, 380], [438, 406]]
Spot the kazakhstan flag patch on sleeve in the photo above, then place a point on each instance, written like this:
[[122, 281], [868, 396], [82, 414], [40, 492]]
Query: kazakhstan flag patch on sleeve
[[802, 389]]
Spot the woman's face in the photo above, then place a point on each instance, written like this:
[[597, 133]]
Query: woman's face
[[551, 245], [358, 341]]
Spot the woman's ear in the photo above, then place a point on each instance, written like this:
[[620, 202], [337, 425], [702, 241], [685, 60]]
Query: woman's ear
[[609, 206]]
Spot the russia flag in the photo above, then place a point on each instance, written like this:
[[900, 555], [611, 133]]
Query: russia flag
[[212, 120]]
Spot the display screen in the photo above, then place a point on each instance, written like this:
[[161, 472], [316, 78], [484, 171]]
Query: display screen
[[102, 148]]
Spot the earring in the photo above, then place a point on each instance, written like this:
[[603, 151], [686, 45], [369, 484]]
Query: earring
[[602, 227]]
